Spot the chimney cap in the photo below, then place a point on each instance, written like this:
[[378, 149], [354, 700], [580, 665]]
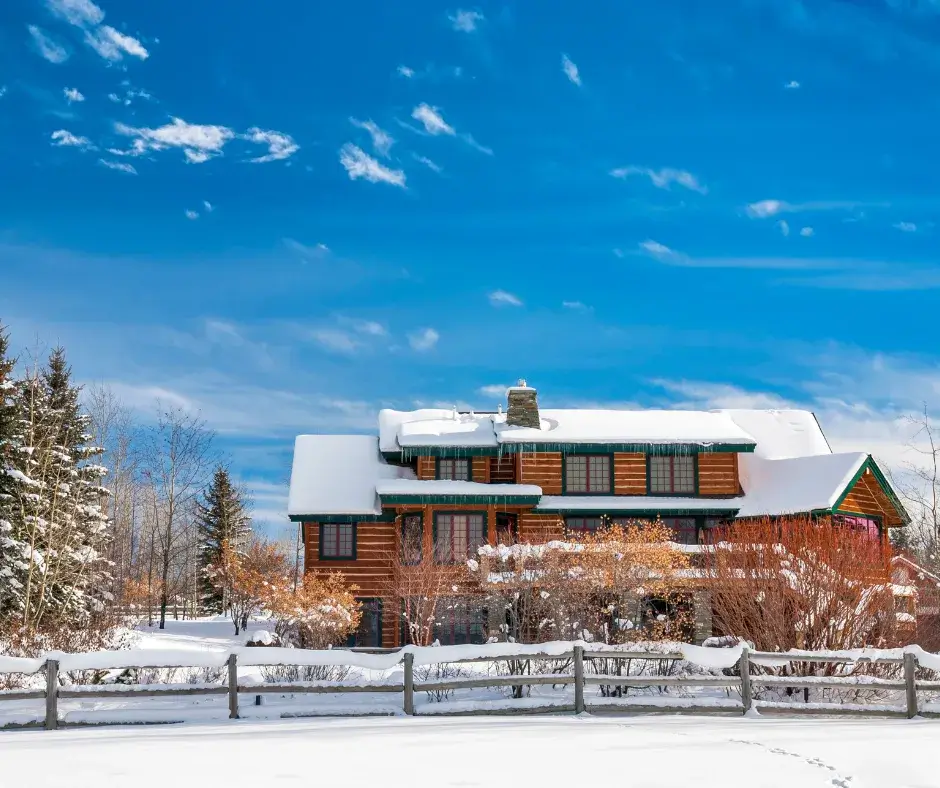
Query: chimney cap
[[521, 386]]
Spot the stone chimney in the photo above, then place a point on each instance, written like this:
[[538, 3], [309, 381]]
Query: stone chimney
[[523, 406]]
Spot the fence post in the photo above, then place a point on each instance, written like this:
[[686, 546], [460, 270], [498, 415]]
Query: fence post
[[52, 694], [745, 666], [232, 687], [409, 683], [578, 679], [910, 686]]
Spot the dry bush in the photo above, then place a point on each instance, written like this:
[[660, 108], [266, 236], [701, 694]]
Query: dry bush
[[320, 612]]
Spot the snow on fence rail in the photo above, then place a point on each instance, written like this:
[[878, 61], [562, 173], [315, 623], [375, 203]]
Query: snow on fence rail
[[739, 659]]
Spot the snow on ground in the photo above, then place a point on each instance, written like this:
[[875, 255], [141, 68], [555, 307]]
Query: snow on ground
[[652, 752]]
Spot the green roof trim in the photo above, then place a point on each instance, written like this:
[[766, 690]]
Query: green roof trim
[[496, 500], [385, 517], [613, 512], [409, 452], [871, 465]]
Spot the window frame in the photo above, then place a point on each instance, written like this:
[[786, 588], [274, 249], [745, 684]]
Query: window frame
[[472, 615], [587, 456], [468, 513], [672, 475], [455, 460], [355, 540], [378, 605], [601, 525], [401, 532]]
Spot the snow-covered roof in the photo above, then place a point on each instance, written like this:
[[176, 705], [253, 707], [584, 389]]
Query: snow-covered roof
[[634, 503], [434, 487], [781, 434], [433, 427], [796, 484], [338, 474]]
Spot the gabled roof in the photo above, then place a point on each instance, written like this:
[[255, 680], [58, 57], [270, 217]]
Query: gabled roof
[[338, 474], [781, 434]]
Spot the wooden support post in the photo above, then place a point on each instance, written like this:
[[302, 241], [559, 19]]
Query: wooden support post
[[910, 686], [232, 687], [409, 683], [745, 665], [52, 694], [578, 679]]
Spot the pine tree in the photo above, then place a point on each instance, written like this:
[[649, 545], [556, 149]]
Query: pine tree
[[223, 521], [11, 562]]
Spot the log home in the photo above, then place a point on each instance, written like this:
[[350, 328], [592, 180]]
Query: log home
[[450, 482]]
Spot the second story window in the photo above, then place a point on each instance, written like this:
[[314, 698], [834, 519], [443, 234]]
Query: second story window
[[672, 475], [455, 470], [337, 542], [412, 539], [587, 474]]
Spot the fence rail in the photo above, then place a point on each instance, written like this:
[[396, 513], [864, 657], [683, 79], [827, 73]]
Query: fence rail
[[738, 675]]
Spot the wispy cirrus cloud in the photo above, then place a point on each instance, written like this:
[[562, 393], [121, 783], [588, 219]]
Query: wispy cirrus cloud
[[73, 95], [47, 46], [784, 228], [427, 163], [570, 69], [65, 139], [405, 72], [336, 341], [280, 146], [503, 298], [423, 340], [432, 120], [191, 214], [108, 42], [663, 178], [81, 13], [577, 306], [806, 232], [493, 390], [382, 141], [465, 21], [119, 166], [360, 164], [792, 85], [905, 227], [198, 142], [764, 209]]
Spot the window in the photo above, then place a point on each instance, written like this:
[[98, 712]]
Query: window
[[457, 537], [583, 525], [672, 475], [455, 470], [865, 525], [587, 474], [337, 541], [457, 622], [412, 539], [507, 530], [369, 634], [684, 530]]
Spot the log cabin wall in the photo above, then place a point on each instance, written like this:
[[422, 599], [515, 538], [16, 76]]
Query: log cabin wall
[[480, 470], [630, 473], [503, 469], [718, 474], [540, 528], [542, 469], [427, 468]]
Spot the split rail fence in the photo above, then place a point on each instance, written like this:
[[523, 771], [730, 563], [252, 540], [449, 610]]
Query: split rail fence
[[739, 679]]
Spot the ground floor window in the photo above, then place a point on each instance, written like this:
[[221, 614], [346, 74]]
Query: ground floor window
[[369, 634], [583, 525], [458, 622]]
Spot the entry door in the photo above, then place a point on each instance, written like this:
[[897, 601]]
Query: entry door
[[507, 528]]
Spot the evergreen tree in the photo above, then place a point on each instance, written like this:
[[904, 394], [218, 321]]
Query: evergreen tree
[[10, 552], [222, 519]]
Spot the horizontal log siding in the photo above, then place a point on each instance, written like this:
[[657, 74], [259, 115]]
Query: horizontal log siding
[[503, 469], [867, 497], [480, 472], [540, 528], [543, 469], [427, 468], [718, 473], [630, 473], [375, 542]]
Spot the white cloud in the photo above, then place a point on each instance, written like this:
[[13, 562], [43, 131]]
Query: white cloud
[[575, 305], [317, 252], [81, 13], [114, 97], [658, 250], [73, 95], [370, 328], [198, 142], [359, 164], [112, 44], [336, 341], [432, 120], [190, 214], [784, 228], [423, 340], [48, 48], [406, 72], [468, 138], [571, 70], [792, 85], [427, 163], [493, 390], [65, 139], [765, 208], [3, 90], [382, 141], [905, 227], [663, 178], [806, 232], [502, 298], [280, 146], [208, 206], [117, 165], [465, 21]]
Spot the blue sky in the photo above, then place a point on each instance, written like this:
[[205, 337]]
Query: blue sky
[[287, 216]]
